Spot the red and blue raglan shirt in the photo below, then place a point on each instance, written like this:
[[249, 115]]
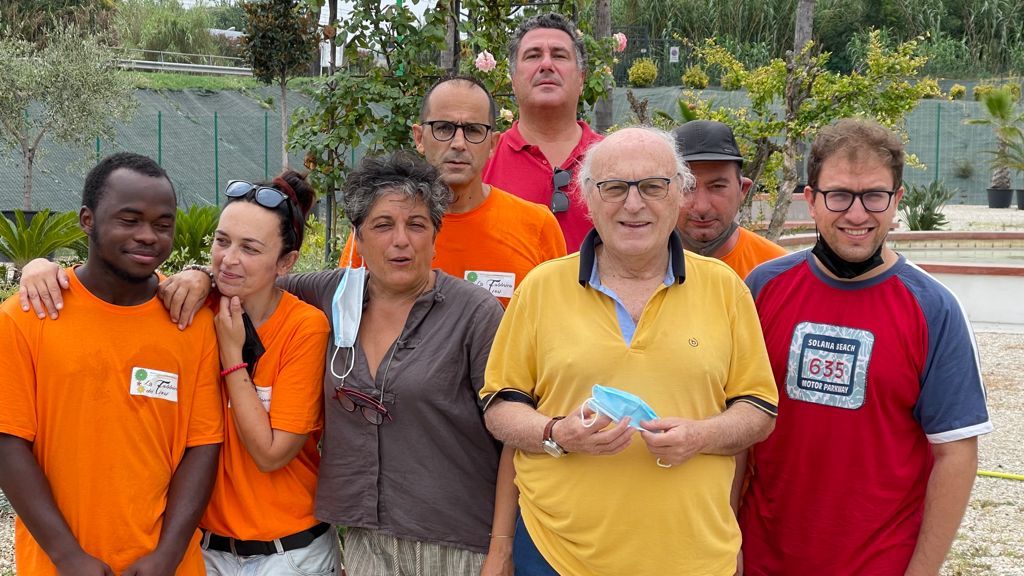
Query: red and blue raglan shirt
[[870, 374]]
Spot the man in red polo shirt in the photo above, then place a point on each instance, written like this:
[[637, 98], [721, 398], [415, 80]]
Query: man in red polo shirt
[[538, 157]]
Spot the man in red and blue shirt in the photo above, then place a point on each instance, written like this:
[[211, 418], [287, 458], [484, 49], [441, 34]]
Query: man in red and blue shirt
[[874, 454]]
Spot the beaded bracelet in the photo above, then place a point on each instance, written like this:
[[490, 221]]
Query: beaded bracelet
[[205, 270], [238, 366]]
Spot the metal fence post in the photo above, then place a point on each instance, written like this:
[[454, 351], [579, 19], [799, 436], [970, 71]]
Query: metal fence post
[[97, 149], [216, 161], [266, 146], [160, 137], [938, 137]]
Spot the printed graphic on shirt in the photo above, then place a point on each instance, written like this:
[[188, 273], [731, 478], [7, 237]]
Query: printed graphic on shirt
[[499, 284], [154, 384], [828, 365], [264, 393]]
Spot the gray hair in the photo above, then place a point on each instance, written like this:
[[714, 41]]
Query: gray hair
[[554, 21], [397, 173], [687, 180]]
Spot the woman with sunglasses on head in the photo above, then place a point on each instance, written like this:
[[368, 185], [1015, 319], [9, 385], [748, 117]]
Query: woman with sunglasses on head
[[407, 465], [260, 519]]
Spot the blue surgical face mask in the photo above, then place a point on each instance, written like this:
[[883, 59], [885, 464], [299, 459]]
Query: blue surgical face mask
[[618, 404], [347, 311]]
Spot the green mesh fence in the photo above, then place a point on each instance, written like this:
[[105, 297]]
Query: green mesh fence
[[204, 139]]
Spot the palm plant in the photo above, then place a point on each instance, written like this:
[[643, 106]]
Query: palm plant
[[1005, 122], [21, 241], [193, 234]]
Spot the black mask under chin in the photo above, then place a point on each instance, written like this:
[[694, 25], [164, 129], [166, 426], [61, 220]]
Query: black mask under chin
[[711, 246], [844, 268]]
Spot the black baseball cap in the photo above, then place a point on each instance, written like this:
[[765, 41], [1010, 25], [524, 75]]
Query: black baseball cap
[[699, 140]]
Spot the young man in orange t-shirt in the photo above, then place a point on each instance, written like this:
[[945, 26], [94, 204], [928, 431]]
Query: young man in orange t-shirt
[[112, 420]]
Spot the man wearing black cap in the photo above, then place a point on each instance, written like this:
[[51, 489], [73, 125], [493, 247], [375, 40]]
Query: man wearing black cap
[[707, 220]]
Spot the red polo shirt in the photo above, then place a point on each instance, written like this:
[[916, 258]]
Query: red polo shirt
[[522, 169]]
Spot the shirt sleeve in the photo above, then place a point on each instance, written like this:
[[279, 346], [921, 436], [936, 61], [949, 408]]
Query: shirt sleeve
[[552, 241], [313, 288], [512, 365], [750, 373], [483, 327], [296, 405], [952, 403], [17, 379], [348, 252], [206, 421]]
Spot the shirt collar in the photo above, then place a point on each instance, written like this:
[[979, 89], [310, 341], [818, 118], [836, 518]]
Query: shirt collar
[[588, 259], [515, 139]]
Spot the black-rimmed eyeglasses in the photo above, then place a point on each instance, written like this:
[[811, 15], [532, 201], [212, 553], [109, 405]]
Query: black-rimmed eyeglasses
[[654, 188], [560, 197], [443, 131], [265, 196], [842, 200]]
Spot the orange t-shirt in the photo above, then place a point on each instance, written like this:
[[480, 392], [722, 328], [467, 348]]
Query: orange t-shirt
[[248, 504], [494, 245], [110, 397], [750, 251]]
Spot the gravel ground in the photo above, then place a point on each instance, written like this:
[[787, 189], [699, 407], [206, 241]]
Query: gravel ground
[[991, 538]]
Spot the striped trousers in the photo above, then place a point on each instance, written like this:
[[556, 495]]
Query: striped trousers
[[378, 553]]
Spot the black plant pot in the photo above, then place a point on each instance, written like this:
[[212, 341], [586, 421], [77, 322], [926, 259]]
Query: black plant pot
[[999, 197], [1020, 198]]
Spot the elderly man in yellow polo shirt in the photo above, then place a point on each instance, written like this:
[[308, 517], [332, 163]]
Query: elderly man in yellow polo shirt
[[633, 312]]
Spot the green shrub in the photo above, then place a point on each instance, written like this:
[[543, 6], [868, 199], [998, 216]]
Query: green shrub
[[964, 168], [193, 234], [731, 81], [1014, 88], [921, 207], [695, 77], [929, 88], [48, 232], [642, 73], [981, 90], [957, 92]]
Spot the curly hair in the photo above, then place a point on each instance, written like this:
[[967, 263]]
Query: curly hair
[[400, 173]]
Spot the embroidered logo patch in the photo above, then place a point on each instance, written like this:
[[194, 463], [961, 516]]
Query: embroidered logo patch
[[499, 284], [828, 365], [154, 384]]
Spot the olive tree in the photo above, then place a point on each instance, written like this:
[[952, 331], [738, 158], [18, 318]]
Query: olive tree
[[68, 89]]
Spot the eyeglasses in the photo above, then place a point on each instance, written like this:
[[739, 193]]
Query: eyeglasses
[[372, 409], [443, 131], [559, 197], [871, 200], [654, 188], [267, 197]]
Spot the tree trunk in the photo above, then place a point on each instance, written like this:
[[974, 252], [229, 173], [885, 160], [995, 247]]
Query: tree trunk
[[603, 29], [450, 56], [28, 158], [798, 83], [284, 125], [329, 209], [804, 23]]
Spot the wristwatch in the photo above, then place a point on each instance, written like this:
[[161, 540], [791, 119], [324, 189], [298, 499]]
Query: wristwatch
[[549, 444]]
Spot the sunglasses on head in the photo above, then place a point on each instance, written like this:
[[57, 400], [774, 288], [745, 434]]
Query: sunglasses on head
[[266, 196], [559, 197]]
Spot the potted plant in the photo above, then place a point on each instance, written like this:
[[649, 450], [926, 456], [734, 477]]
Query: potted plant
[[1002, 117], [1015, 158]]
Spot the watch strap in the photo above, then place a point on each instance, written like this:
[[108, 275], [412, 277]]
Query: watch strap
[[547, 432]]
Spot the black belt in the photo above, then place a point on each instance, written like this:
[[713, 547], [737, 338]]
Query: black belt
[[295, 541]]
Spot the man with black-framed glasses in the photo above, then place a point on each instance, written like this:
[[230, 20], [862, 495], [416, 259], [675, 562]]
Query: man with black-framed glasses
[[488, 236], [873, 458]]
